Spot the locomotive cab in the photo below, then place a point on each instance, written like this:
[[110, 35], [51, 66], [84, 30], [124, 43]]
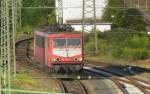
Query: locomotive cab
[[67, 52], [61, 52]]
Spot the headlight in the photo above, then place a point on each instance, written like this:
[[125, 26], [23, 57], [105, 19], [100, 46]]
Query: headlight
[[78, 59], [55, 59]]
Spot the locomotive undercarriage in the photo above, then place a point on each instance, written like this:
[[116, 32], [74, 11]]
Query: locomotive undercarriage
[[68, 69]]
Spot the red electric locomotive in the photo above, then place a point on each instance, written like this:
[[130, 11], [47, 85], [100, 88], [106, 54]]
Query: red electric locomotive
[[61, 52]]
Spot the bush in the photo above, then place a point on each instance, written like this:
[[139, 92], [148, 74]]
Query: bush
[[103, 47], [121, 44], [86, 37], [137, 42], [27, 28], [89, 47], [134, 54], [116, 52]]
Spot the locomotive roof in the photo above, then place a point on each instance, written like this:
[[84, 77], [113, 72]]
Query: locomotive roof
[[60, 32], [57, 29]]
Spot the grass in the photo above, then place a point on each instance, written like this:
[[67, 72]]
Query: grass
[[22, 81], [25, 81], [25, 78]]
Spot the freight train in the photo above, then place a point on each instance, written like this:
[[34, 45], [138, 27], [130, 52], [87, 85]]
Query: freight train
[[59, 48]]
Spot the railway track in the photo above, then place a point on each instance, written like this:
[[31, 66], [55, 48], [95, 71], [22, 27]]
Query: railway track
[[23, 52], [73, 87], [121, 81]]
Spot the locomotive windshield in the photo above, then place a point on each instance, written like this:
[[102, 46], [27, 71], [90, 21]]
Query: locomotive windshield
[[73, 42], [59, 42], [66, 42]]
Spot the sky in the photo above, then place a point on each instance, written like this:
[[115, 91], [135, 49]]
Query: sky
[[72, 9]]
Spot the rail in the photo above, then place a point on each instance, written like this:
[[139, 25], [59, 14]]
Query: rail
[[114, 77], [74, 87]]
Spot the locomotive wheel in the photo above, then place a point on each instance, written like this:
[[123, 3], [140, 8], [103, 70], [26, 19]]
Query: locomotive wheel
[[81, 71], [76, 72], [56, 71], [51, 70], [62, 70], [67, 71]]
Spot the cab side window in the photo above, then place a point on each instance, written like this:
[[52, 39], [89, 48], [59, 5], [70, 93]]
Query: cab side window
[[48, 42], [39, 41]]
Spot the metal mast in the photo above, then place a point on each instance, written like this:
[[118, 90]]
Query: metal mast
[[7, 43], [60, 11], [19, 12], [5, 50], [14, 11], [89, 16]]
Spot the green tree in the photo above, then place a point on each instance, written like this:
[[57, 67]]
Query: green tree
[[134, 20], [35, 17], [130, 18]]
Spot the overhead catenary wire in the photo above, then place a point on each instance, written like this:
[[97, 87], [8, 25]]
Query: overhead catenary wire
[[48, 7]]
